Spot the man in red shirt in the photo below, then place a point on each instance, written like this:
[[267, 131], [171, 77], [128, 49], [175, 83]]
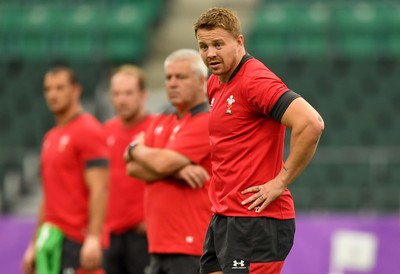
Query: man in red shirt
[[252, 229], [127, 253], [74, 170], [174, 158]]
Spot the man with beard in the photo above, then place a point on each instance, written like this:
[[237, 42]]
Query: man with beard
[[125, 214], [74, 171]]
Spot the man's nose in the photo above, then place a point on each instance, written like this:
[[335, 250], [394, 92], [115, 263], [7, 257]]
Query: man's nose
[[211, 52]]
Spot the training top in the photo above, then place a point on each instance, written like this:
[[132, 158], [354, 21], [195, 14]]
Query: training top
[[66, 152], [125, 194], [246, 142], [177, 216]]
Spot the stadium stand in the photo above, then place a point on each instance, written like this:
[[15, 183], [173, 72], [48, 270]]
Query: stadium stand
[[343, 57], [90, 36]]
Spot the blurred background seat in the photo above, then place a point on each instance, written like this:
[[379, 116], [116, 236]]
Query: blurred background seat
[[344, 58]]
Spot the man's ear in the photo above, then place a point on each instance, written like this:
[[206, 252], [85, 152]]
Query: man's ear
[[240, 40]]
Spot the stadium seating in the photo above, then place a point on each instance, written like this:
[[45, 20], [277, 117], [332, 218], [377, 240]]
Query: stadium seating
[[344, 59], [316, 29], [91, 30], [90, 36], [346, 192]]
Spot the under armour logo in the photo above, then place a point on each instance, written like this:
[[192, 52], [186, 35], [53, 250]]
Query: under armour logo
[[239, 264]]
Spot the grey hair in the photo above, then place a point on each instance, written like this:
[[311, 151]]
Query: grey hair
[[188, 54]]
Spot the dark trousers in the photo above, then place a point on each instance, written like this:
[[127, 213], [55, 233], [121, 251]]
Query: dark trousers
[[70, 258], [174, 264], [128, 254]]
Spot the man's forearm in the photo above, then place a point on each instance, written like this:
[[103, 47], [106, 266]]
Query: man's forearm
[[97, 206], [97, 180], [138, 171], [162, 162], [303, 145]]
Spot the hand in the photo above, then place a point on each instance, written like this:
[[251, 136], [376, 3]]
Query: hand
[[193, 175], [140, 138], [264, 194], [141, 228], [28, 260], [91, 253]]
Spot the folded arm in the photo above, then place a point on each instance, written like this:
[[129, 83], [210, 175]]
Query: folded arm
[[163, 162]]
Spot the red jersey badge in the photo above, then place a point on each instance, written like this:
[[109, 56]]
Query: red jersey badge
[[63, 143]]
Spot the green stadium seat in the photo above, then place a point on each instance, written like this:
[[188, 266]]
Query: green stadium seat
[[128, 49], [311, 46], [291, 18], [393, 42], [291, 29], [268, 47], [345, 174], [360, 46], [345, 198], [358, 18], [85, 19], [126, 29], [75, 32], [10, 14], [303, 197], [393, 174], [363, 29], [386, 199], [35, 46], [78, 47], [127, 19], [308, 198]]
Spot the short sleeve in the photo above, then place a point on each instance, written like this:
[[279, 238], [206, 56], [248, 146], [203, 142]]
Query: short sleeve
[[92, 145], [263, 91]]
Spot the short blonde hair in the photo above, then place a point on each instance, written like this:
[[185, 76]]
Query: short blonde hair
[[219, 18], [134, 71]]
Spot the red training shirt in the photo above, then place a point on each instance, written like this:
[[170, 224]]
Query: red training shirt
[[246, 142], [125, 194], [177, 216], [66, 152]]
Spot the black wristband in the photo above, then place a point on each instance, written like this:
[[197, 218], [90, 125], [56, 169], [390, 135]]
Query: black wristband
[[130, 149]]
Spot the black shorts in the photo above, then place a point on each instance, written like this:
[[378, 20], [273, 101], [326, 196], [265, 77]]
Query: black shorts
[[247, 244], [174, 264], [128, 253], [70, 258]]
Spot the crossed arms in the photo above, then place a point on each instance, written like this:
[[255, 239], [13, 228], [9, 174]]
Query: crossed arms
[[152, 164]]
